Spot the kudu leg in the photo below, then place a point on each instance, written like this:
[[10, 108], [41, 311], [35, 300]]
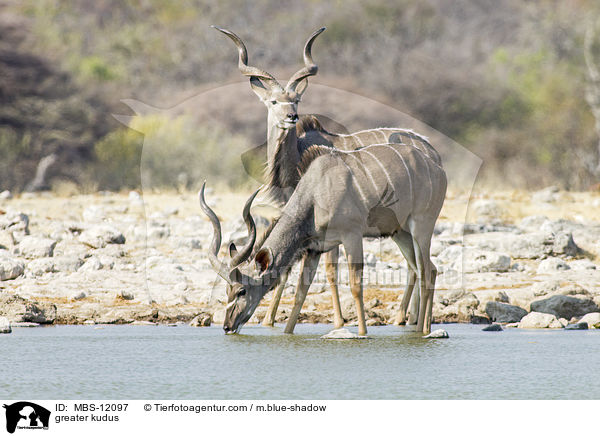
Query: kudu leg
[[404, 242], [310, 261], [415, 304], [331, 268], [422, 243], [269, 319], [354, 255]]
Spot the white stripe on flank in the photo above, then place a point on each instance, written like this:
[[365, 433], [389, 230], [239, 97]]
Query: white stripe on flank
[[355, 182], [358, 139], [366, 170], [385, 137], [387, 175], [395, 129], [410, 184]]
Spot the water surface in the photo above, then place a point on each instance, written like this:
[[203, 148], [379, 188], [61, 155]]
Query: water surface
[[144, 362]]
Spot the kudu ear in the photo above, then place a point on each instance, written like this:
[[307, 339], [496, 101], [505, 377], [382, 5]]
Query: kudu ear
[[301, 87], [233, 251], [235, 276], [263, 259], [260, 88]]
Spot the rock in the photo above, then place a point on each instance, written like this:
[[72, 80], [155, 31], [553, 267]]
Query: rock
[[547, 195], [502, 312], [4, 325], [564, 244], [79, 295], [25, 324], [484, 297], [127, 295], [67, 263], [477, 261], [101, 235], [532, 223], [487, 208], [565, 306], [547, 287], [342, 333], [39, 267], [18, 309], [437, 334], [201, 320], [492, 328], [94, 214], [192, 243], [582, 265], [92, 264], [10, 268], [552, 265], [33, 247], [450, 254], [592, 320], [135, 197], [537, 320], [370, 260], [5, 195], [17, 223], [578, 326]]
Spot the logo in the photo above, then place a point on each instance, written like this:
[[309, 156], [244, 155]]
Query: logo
[[26, 415]]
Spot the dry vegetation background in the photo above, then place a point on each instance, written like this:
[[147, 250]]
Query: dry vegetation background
[[506, 79]]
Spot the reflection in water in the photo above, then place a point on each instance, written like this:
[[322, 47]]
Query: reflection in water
[[263, 363]]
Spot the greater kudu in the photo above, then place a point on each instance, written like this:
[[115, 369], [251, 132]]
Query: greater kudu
[[283, 158], [342, 196]]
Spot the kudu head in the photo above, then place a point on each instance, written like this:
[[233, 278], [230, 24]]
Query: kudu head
[[282, 103], [244, 291]]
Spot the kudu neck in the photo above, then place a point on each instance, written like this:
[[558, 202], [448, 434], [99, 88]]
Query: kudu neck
[[289, 238]]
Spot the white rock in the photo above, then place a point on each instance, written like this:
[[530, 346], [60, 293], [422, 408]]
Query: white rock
[[475, 261], [79, 295], [39, 267], [101, 235], [342, 333], [582, 265], [437, 334], [5, 195], [370, 259], [538, 320], [94, 214], [533, 223], [10, 268], [489, 208], [552, 265], [4, 325], [547, 195], [92, 264], [34, 247], [135, 198], [592, 319]]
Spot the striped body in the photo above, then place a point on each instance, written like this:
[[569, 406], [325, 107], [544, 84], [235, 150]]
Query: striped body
[[372, 190]]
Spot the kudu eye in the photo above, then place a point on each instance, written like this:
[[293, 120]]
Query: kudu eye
[[273, 101], [241, 292]]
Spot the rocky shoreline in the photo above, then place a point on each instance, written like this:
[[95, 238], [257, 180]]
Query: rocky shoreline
[[117, 258]]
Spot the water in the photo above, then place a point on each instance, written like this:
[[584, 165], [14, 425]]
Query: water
[[143, 362]]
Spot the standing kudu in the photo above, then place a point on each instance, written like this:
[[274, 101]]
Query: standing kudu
[[288, 139], [342, 196]]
